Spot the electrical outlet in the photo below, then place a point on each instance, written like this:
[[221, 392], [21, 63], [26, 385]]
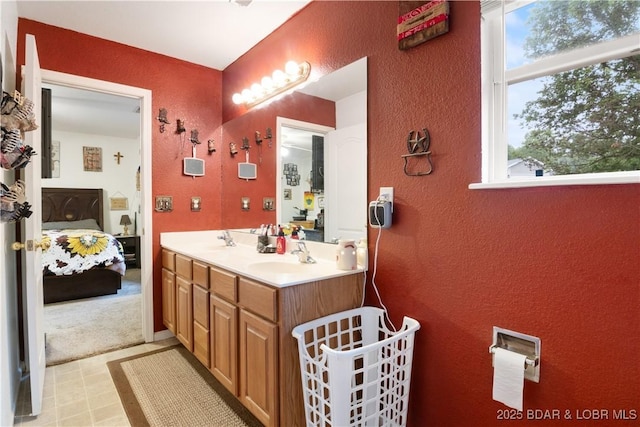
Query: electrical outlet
[[195, 204], [387, 192]]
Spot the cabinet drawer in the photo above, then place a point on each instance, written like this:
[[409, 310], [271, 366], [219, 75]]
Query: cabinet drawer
[[169, 260], [183, 266], [200, 274], [223, 284], [258, 298]]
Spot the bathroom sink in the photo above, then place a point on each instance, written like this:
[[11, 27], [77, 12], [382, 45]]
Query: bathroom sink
[[279, 267]]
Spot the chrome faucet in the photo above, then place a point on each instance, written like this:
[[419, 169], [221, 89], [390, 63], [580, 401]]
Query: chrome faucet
[[303, 254], [228, 240]]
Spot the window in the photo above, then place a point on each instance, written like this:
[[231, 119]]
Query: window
[[560, 92]]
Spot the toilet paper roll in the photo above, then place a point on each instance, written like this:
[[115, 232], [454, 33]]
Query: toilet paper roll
[[508, 377]]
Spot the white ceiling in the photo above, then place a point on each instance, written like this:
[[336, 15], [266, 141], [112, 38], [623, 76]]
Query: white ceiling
[[212, 33], [94, 113]]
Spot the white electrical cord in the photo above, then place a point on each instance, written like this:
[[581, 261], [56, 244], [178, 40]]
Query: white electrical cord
[[375, 270]]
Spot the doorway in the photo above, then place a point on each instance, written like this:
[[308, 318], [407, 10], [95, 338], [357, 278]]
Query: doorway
[[144, 225]]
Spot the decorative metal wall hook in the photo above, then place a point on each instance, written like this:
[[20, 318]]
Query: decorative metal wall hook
[[418, 146], [258, 138], [268, 136], [233, 149], [162, 118], [194, 137], [180, 126], [211, 147], [245, 143]]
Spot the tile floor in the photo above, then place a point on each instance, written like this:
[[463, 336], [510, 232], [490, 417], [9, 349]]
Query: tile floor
[[81, 393]]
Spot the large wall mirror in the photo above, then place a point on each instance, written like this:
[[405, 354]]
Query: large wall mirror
[[322, 172], [316, 168]]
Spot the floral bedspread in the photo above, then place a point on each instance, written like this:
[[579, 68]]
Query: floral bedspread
[[75, 251]]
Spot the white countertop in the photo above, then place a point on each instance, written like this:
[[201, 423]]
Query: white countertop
[[273, 269]]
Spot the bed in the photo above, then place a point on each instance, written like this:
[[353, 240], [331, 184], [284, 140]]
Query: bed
[[65, 211]]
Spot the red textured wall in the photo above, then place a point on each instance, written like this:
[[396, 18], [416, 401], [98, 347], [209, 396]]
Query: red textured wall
[[189, 92], [560, 262]]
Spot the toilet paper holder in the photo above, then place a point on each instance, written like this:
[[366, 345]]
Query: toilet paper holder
[[524, 344]]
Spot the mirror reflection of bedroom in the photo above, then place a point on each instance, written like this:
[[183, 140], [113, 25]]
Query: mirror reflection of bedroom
[[91, 215]]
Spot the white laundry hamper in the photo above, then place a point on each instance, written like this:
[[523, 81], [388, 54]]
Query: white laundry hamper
[[355, 371]]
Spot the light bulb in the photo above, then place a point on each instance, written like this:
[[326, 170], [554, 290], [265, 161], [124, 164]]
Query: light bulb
[[279, 78], [267, 83], [292, 69], [237, 99], [257, 90], [247, 95]]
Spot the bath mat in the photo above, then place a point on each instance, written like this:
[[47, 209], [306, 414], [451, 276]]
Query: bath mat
[[171, 387]]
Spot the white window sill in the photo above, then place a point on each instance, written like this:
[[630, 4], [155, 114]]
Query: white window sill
[[631, 177]]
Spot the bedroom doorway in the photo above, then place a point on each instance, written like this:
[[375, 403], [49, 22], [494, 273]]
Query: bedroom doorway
[[138, 203]]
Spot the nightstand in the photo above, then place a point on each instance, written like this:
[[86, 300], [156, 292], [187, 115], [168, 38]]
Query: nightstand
[[131, 248]]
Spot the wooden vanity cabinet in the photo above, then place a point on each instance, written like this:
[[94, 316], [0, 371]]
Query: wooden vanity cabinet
[[247, 328], [169, 290]]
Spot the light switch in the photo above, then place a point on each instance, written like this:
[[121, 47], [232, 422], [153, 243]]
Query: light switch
[[268, 203], [164, 203]]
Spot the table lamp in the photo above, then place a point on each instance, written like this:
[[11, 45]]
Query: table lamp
[[125, 221]]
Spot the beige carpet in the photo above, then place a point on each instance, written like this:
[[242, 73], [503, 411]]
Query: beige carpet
[[170, 387], [90, 326]]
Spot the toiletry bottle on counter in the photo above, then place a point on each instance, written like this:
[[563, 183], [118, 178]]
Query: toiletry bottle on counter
[[346, 255], [281, 243], [362, 253]]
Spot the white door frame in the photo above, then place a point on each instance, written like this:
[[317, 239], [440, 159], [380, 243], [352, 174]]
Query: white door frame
[[146, 241], [296, 124]]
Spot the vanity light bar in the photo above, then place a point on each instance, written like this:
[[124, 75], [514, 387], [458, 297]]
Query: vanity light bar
[[279, 82]]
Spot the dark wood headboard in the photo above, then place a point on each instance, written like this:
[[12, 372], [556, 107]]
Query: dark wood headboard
[[72, 204]]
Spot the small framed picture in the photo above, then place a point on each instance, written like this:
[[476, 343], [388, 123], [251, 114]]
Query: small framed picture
[[287, 194], [92, 159]]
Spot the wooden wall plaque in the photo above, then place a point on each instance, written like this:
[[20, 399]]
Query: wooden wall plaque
[[419, 21], [118, 203]]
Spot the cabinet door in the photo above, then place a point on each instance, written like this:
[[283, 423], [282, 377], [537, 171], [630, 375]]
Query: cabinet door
[[224, 343], [201, 324], [169, 300], [258, 367], [184, 314]]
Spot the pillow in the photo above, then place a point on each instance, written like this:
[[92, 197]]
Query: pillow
[[90, 224]]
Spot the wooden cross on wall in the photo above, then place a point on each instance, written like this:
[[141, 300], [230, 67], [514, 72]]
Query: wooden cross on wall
[[118, 156]]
